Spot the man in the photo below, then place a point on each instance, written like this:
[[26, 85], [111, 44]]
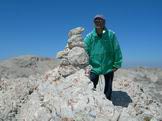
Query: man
[[104, 54]]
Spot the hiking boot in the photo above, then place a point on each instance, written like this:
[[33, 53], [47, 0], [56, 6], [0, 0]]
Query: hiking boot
[[108, 97], [94, 89], [89, 82]]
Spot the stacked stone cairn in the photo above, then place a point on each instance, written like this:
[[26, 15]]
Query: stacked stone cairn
[[73, 57]]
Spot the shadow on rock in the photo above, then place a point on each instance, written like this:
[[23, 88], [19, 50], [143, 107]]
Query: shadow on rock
[[120, 98]]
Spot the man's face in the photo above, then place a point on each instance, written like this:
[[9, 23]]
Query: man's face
[[99, 23]]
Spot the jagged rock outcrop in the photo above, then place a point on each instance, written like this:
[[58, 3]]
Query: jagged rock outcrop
[[13, 94], [69, 99]]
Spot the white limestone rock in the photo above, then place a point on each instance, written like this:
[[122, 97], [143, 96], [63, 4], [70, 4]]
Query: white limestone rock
[[78, 57], [75, 41], [75, 31]]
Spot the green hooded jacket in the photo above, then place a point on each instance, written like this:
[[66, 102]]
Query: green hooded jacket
[[104, 52]]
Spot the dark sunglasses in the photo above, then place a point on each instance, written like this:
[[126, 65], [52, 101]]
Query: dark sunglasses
[[99, 21]]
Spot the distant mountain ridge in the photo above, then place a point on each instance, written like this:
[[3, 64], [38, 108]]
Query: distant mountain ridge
[[24, 66]]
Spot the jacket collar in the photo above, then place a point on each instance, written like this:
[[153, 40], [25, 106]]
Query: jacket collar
[[95, 33]]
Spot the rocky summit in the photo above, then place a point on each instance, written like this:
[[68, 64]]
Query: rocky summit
[[65, 93]]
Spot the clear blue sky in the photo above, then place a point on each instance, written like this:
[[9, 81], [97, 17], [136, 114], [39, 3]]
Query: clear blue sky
[[40, 27]]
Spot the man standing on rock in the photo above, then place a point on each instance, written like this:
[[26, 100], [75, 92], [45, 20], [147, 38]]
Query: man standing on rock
[[104, 52]]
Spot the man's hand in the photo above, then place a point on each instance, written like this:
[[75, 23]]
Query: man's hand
[[87, 72], [114, 69]]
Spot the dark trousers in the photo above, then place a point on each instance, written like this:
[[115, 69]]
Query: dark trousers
[[108, 82]]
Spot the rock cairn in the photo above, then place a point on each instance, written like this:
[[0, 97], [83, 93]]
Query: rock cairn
[[73, 57]]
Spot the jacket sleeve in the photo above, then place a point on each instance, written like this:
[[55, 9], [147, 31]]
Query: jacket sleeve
[[87, 40], [117, 53]]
